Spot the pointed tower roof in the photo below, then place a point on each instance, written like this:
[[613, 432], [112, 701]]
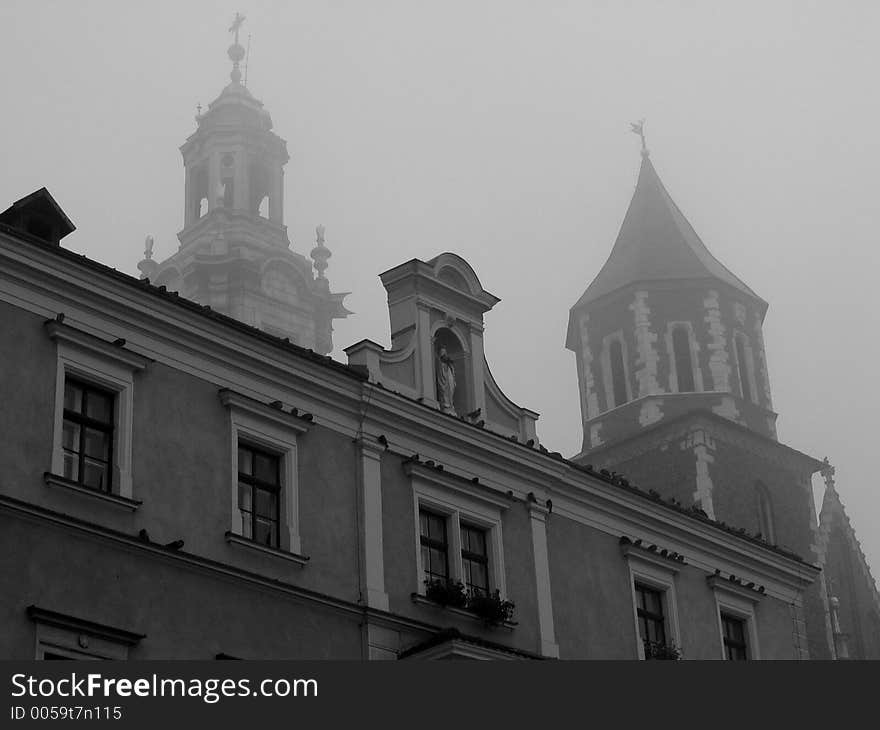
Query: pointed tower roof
[[656, 242]]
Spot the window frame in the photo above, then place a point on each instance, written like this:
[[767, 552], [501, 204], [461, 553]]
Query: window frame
[[98, 363], [607, 373], [272, 430], [475, 557], [431, 543], [645, 615], [740, 603], [729, 618], [83, 421], [658, 574], [444, 496], [254, 483]]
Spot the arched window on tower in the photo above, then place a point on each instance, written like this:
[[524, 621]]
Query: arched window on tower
[[765, 513], [744, 366], [199, 192], [681, 353], [618, 373]]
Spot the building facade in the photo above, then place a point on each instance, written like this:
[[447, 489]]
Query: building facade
[[187, 475]]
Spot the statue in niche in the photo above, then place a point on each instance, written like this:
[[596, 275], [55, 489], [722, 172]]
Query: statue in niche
[[445, 382]]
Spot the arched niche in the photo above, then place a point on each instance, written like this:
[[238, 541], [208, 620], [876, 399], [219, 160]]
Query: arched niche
[[446, 338]]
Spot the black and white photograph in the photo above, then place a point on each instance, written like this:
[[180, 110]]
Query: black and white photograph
[[404, 331]]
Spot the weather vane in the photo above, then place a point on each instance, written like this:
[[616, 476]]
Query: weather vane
[[639, 129]]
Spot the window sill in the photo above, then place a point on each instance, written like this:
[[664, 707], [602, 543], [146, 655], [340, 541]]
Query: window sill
[[245, 542], [425, 601], [53, 480]]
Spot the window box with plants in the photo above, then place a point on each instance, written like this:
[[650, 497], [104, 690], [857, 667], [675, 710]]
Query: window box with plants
[[656, 650], [488, 606]]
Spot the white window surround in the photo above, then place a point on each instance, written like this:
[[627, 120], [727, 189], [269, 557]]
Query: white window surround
[[607, 377], [739, 602], [442, 494], [694, 352], [749, 356], [254, 423], [657, 573], [76, 638], [96, 361]]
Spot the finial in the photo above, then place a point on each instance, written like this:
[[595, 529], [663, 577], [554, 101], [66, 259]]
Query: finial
[[639, 129], [147, 266], [827, 472], [236, 52], [320, 253]]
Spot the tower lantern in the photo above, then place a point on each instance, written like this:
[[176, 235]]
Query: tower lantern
[[235, 255]]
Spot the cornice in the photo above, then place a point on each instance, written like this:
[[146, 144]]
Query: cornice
[[118, 353], [436, 476], [721, 428], [83, 626], [274, 413], [659, 558], [725, 585]]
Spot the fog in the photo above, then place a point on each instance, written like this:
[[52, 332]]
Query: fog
[[500, 131]]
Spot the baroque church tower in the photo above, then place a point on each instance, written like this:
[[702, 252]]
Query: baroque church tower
[[234, 253], [675, 393]]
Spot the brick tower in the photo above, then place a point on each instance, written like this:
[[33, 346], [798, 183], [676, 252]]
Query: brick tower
[[675, 393]]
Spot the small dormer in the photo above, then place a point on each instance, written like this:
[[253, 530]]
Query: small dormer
[[38, 215], [436, 309]]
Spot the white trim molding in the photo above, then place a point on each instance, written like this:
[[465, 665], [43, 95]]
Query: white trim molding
[[109, 366], [538, 516], [370, 478], [276, 430], [657, 573], [739, 602]]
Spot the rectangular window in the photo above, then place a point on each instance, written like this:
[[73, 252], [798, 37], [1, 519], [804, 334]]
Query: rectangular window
[[434, 545], [259, 490], [734, 633], [87, 434], [475, 559], [652, 623]]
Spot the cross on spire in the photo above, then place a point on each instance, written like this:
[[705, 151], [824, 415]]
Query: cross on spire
[[236, 52], [236, 25]]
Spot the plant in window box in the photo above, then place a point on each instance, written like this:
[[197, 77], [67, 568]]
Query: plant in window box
[[655, 650], [490, 607], [446, 592]]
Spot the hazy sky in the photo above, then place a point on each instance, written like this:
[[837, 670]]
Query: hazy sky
[[499, 131]]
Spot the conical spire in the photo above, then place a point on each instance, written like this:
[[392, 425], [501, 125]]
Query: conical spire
[[656, 242]]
